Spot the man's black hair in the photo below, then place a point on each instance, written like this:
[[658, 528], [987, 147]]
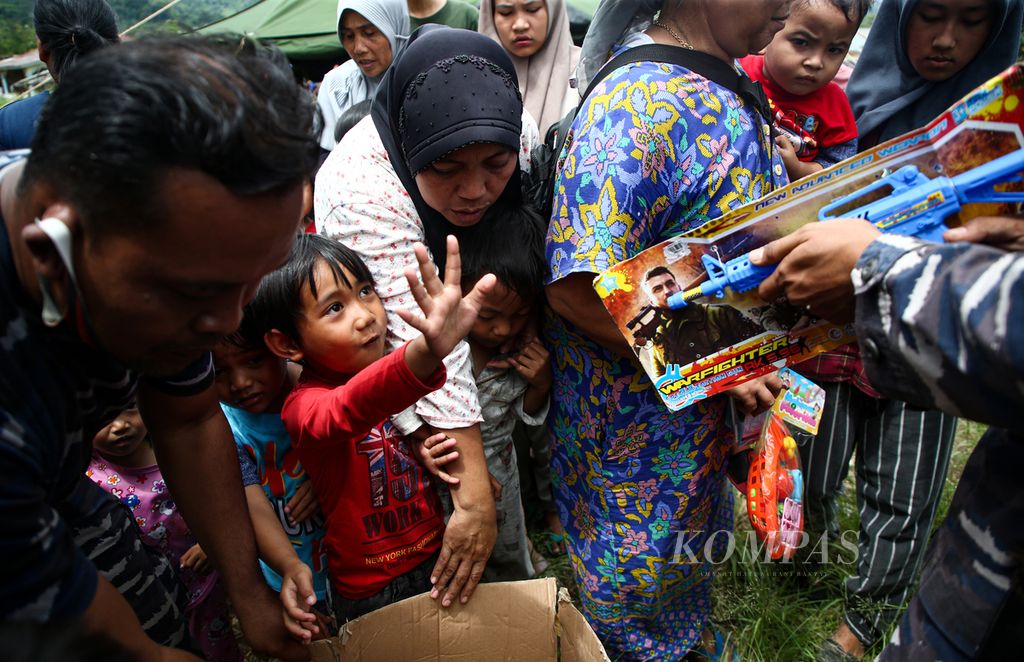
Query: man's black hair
[[509, 243], [69, 29], [657, 271], [278, 302], [228, 108]]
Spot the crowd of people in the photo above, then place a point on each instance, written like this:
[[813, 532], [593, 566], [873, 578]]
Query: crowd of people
[[215, 411]]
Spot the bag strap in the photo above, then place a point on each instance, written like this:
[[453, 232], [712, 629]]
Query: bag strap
[[706, 65], [700, 63]]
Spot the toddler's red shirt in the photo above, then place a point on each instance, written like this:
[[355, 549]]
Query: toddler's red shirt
[[824, 117]]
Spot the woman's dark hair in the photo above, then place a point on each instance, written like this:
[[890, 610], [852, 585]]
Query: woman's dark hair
[[278, 302], [69, 29], [228, 108], [509, 243]]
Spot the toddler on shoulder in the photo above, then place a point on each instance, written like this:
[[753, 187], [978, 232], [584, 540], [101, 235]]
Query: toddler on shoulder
[[796, 70]]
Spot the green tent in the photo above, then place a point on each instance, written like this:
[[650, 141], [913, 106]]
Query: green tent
[[302, 29], [306, 29]]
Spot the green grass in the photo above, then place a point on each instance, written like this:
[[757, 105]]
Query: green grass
[[777, 611], [773, 612]]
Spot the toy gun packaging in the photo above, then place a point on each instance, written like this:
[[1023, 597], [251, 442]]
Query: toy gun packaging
[[968, 162], [913, 204]]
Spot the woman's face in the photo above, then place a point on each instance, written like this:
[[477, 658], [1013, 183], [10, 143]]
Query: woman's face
[[943, 36], [740, 27], [365, 44], [462, 185], [522, 25]]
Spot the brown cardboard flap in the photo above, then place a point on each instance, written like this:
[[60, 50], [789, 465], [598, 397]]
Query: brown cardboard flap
[[577, 642], [508, 621]]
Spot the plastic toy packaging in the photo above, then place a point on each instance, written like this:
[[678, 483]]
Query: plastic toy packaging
[[767, 468], [775, 489]]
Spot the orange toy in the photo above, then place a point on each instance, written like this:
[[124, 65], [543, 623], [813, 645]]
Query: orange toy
[[774, 489]]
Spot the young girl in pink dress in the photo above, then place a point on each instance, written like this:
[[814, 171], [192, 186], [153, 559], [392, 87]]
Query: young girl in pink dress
[[124, 464]]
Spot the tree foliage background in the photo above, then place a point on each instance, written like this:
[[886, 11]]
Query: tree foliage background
[[17, 34]]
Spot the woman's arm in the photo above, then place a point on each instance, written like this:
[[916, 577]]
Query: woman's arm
[[574, 298], [472, 529]]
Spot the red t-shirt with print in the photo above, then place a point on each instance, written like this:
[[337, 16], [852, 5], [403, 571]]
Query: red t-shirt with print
[[382, 511]]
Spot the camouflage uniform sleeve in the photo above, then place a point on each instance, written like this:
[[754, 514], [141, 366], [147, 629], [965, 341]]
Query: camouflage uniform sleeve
[[942, 325]]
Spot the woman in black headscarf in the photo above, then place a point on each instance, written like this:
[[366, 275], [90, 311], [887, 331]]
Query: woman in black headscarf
[[442, 145]]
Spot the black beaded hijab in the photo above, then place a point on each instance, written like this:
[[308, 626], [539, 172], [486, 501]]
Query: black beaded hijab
[[449, 88]]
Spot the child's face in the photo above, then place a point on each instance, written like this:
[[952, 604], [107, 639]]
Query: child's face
[[943, 36], [806, 54], [250, 378], [502, 317], [122, 436], [342, 330]]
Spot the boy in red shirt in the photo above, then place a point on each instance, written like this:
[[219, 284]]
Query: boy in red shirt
[[384, 522], [811, 111]]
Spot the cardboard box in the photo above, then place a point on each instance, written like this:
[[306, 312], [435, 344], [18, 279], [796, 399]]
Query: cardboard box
[[510, 621]]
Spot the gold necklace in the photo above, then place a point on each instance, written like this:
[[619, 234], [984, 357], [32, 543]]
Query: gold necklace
[[675, 35]]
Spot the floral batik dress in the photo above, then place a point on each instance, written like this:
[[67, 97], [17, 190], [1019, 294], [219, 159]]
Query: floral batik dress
[[654, 151]]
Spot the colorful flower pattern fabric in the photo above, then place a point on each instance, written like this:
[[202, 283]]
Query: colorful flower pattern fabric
[[655, 150]]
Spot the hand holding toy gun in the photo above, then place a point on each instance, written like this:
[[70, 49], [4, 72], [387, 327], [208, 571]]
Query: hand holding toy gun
[[916, 206]]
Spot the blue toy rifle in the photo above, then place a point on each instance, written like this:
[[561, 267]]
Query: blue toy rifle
[[916, 206]]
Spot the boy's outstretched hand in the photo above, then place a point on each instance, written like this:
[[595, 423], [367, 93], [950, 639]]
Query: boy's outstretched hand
[[448, 316], [297, 600], [435, 452]]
